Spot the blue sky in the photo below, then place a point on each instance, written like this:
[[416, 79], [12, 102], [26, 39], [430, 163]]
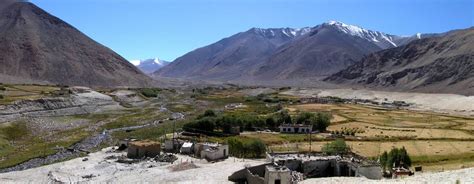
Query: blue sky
[[140, 29]]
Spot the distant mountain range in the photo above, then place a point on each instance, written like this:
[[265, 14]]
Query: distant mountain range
[[36, 47], [231, 57], [148, 66], [346, 55], [438, 64], [284, 53]]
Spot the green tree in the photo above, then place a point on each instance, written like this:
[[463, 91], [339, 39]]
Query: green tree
[[283, 117], [398, 158], [405, 158], [336, 147], [305, 118], [321, 121], [384, 160], [270, 122]]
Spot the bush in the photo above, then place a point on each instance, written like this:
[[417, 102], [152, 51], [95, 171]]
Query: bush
[[253, 148], [1, 97], [337, 147], [2, 88], [150, 92], [209, 113]]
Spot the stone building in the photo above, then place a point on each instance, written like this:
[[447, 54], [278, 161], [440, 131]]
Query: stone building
[[292, 168], [211, 151], [173, 145], [277, 175], [141, 149]]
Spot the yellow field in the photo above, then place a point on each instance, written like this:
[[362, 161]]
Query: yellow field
[[388, 118], [371, 131], [375, 148], [25, 92], [437, 141]]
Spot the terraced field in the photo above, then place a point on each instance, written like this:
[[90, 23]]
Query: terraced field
[[427, 136]]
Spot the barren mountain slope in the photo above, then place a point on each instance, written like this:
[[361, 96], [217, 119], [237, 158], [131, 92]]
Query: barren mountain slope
[[437, 64], [36, 46]]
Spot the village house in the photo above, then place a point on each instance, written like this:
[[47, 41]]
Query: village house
[[289, 168], [187, 148], [141, 149], [173, 145], [296, 128], [211, 151]]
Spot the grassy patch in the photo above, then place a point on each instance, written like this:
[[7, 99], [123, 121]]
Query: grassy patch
[[19, 148], [436, 159]]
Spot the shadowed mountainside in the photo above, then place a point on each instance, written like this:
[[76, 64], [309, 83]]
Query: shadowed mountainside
[[38, 47]]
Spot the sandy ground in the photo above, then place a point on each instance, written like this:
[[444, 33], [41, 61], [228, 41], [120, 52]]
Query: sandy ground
[[109, 171], [446, 103], [97, 169], [463, 175]]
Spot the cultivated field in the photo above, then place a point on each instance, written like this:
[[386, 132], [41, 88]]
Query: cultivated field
[[429, 137]]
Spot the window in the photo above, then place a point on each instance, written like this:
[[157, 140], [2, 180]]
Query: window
[[284, 129], [277, 181]]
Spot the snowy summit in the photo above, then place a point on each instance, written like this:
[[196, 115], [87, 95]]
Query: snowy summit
[[149, 66], [376, 37]]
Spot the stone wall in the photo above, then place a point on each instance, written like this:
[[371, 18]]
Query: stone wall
[[370, 172]]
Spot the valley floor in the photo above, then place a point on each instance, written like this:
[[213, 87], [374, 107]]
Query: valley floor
[[442, 103], [99, 169]]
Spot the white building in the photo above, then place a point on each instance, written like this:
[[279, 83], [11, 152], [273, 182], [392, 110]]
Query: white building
[[296, 128], [277, 175], [211, 151], [187, 148]]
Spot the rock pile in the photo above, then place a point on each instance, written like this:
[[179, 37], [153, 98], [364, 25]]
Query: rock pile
[[166, 158]]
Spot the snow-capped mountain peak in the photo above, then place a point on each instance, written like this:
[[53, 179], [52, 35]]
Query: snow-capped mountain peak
[[418, 35], [288, 32], [149, 66], [379, 38]]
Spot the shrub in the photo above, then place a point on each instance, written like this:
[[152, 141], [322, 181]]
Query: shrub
[[209, 113], [337, 147], [1, 97], [2, 88], [150, 92], [253, 148]]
